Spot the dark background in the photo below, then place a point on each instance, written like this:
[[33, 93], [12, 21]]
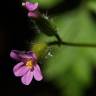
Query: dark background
[[14, 31]]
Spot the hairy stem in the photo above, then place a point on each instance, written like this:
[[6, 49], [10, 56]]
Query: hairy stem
[[72, 44]]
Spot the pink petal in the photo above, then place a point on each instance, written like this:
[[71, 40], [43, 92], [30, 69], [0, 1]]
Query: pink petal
[[19, 55], [32, 54], [17, 66], [37, 73], [31, 6], [15, 54], [19, 70], [27, 78], [32, 14], [25, 56]]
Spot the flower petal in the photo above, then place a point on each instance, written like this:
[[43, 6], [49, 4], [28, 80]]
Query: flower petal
[[15, 55], [19, 55], [17, 66], [27, 78], [31, 6], [32, 14], [37, 73], [32, 54], [20, 70]]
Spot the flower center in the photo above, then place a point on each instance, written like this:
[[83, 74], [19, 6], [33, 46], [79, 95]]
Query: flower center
[[29, 64]]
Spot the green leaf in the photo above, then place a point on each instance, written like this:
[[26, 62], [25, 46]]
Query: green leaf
[[70, 67], [92, 5], [82, 71], [74, 27]]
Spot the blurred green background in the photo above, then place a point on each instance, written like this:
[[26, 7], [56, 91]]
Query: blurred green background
[[71, 68]]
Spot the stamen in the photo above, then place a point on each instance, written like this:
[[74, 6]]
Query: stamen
[[29, 64]]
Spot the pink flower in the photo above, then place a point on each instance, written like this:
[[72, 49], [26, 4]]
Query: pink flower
[[32, 8], [27, 68]]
